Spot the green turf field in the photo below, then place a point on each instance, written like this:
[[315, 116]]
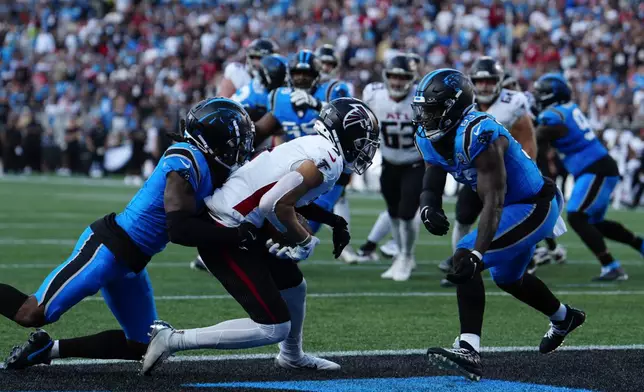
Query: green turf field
[[350, 307]]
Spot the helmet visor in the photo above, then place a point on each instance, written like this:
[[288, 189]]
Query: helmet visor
[[365, 150], [428, 117]]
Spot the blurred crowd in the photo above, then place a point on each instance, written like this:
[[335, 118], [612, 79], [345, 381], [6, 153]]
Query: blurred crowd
[[82, 78]]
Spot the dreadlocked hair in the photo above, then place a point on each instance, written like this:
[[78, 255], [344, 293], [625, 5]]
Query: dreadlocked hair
[[178, 136]]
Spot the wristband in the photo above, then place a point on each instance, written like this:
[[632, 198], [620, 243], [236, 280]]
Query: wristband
[[477, 254]]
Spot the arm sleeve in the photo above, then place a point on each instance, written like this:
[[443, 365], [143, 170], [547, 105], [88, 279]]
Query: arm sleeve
[[184, 162], [478, 137]]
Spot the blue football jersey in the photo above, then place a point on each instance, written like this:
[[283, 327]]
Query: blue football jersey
[[254, 98], [144, 217], [473, 135], [579, 147], [296, 121]]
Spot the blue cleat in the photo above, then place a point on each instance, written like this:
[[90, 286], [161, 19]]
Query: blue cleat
[[35, 351]]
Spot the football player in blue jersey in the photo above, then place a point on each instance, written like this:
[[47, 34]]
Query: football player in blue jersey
[[270, 74], [112, 253], [520, 208], [295, 109], [561, 124]]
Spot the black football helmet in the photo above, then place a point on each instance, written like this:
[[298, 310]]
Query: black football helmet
[[303, 70], [551, 89], [399, 75], [328, 61], [256, 50], [272, 71], [353, 129], [443, 97], [487, 73], [222, 130]]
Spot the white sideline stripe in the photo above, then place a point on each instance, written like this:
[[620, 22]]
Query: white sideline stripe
[[393, 294], [203, 358]]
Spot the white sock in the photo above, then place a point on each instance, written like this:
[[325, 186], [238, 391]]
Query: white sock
[[231, 334], [460, 231], [560, 314], [473, 340], [295, 298], [408, 235], [342, 208], [380, 228], [395, 231], [55, 351]]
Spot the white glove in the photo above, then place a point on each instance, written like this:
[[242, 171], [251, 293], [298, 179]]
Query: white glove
[[273, 247], [300, 97], [300, 252]]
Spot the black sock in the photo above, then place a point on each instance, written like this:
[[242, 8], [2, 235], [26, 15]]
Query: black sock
[[471, 305], [552, 244], [617, 232], [104, 345], [368, 246], [532, 291], [590, 235], [11, 301]]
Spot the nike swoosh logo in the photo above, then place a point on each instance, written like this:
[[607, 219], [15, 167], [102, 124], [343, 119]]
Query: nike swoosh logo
[[477, 130], [331, 156], [32, 355], [187, 165]]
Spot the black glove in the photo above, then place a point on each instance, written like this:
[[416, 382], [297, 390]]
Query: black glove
[[434, 220], [465, 266], [247, 235], [341, 236]]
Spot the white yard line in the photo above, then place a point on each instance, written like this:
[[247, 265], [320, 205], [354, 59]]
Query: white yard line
[[366, 353]]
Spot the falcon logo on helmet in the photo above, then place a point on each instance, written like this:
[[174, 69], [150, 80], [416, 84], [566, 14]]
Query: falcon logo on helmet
[[358, 115]]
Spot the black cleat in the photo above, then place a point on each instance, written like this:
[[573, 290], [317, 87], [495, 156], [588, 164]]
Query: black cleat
[[463, 359], [560, 329], [35, 351], [447, 284], [446, 265], [612, 275]]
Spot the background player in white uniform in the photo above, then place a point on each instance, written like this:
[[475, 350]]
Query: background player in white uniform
[[402, 166], [268, 283], [237, 75]]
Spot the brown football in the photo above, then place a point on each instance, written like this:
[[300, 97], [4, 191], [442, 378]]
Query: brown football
[[279, 237]]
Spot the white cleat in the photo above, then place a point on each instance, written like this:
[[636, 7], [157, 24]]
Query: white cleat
[[390, 249], [541, 256], [389, 274], [159, 348], [559, 254], [349, 256], [306, 362], [403, 271]]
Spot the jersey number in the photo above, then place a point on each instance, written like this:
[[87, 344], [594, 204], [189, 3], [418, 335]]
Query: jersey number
[[583, 124], [398, 134]]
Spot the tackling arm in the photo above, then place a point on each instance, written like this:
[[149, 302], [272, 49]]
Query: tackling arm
[[546, 134], [266, 125], [491, 178], [226, 88], [431, 201]]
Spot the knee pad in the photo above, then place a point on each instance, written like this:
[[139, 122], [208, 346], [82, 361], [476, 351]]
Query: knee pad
[[287, 275], [275, 333], [577, 219]]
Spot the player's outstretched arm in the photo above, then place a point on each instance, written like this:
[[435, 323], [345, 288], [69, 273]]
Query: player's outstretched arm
[[546, 134], [266, 125], [523, 131], [431, 201], [226, 88], [185, 227], [491, 177]]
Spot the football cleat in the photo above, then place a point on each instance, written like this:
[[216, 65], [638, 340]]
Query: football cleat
[[159, 348], [558, 255], [560, 329], [531, 269], [348, 255], [198, 264], [612, 274], [390, 249], [35, 351], [446, 265], [402, 272], [446, 283], [541, 256], [462, 358], [367, 252], [389, 273], [306, 362]]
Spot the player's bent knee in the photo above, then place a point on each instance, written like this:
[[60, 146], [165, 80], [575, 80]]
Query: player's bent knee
[[577, 219], [509, 287], [275, 333], [31, 315]]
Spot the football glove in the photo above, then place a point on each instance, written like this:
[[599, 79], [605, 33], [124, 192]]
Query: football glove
[[247, 235], [300, 252], [466, 266], [301, 98], [434, 220], [341, 236]]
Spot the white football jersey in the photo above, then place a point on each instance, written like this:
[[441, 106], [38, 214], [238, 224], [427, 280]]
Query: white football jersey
[[396, 129], [509, 107], [238, 74], [238, 199]]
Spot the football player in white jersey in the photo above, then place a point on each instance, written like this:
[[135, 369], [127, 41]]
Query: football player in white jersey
[[512, 109], [237, 75], [402, 166], [268, 282]]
